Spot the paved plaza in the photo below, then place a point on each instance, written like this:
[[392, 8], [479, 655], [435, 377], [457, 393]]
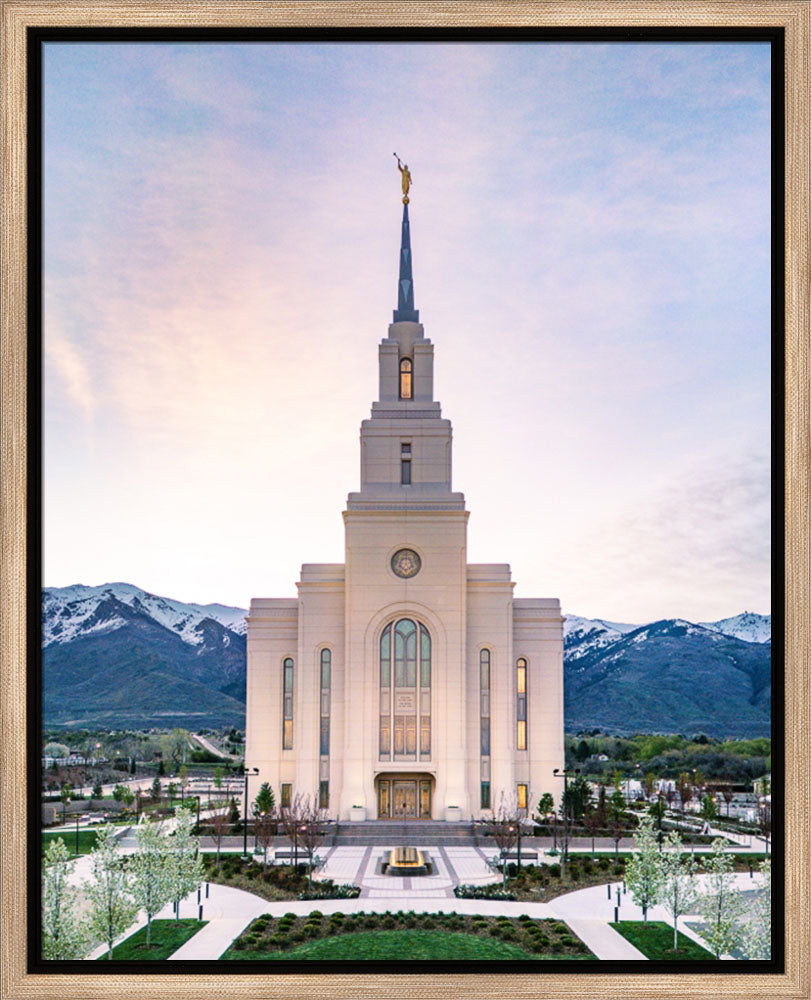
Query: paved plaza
[[588, 912]]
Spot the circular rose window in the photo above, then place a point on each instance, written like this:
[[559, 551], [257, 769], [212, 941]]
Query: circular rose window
[[405, 563]]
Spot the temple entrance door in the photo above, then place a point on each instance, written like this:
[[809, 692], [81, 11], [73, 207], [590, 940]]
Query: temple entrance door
[[405, 798]]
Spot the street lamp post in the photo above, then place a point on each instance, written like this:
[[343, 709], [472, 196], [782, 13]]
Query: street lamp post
[[248, 773], [564, 773]]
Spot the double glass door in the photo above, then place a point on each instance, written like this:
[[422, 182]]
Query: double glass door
[[403, 798]]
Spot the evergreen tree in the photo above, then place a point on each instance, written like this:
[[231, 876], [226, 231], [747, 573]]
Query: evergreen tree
[[155, 790], [643, 873], [64, 935], [757, 932], [149, 870], [709, 811], [720, 904], [265, 800], [679, 891], [112, 909]]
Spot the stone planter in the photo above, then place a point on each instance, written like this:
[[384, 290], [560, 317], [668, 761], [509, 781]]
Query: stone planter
[[357, 814], [453, 814]]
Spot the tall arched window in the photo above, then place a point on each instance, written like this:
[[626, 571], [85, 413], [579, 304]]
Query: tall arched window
[[405, 378], [287, 704], [405, 691], [521, 703], [484, 716]]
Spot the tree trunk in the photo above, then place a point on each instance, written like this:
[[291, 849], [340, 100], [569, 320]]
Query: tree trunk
[[148, 928]]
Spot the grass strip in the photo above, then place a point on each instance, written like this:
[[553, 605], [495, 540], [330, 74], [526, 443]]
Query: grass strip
[[655, 941], [167, 936]]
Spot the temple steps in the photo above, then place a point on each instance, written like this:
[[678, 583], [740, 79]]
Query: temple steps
[[409, 833]]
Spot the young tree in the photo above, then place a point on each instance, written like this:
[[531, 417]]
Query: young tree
[[577, 798], [764, 822], [64, 795], [64, 934], [265, 799], [171, 791], [728, 795], [183, 780], [757, 932], [311, 831], [112, 909], [220, 825], [183, 862], [593, 823], [97, 792], [149, 870], [678, 883], [709, 811], [649, 784], [720, 904], [264, 826], [504, 828], [545, 807], [155, 790], [291, 819], [685, 789], [616, 819], [643, 873]]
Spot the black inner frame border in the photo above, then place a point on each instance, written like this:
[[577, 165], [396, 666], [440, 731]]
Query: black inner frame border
[[35, 37]]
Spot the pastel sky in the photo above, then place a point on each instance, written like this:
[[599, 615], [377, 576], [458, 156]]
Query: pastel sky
[[590, 230]]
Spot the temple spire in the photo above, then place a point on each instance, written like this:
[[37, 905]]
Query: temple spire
[[405, 310]]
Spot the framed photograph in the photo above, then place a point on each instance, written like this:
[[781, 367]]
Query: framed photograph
[[287, 753]]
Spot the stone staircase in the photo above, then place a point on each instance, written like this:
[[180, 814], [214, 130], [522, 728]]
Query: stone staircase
[[404, 833]]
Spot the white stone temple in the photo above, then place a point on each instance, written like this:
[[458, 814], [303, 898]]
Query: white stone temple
[[405, 681]]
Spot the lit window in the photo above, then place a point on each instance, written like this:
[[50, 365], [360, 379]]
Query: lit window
[[405, 378], [522, 796], [405, 691], [521, 703], [287, 705], [286, 795]]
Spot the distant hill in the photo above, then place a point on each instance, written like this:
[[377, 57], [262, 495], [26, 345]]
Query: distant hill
[[116, 655]]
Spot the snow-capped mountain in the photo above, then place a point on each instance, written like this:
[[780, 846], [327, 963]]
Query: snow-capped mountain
[[749, 626], [71, 612], [116, 654], [583, 635]]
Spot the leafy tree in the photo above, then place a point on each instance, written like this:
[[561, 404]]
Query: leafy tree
[[643, 873], [149, 870], [678, 883], [155, 790], [97, 792], [709, 810], [112, 909], [64, 934], [582, 751], [56, 750], [233, 812], [720, 904], [617, 818], [616, 781], [176, 745], [171, 791], [265, 800], [546, 805], [183, 862], [757, 932]]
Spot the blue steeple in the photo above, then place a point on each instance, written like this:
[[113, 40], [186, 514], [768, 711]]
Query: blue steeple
[[405, 286]]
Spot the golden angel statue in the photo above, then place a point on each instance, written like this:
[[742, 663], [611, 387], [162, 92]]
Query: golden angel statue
[[405, 174]]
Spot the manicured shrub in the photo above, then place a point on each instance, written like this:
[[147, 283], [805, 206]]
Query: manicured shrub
[[604, 863], [389, 922], [429, 923]]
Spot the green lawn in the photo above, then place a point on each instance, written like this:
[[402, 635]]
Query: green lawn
[[87, 840], [655, 941], [392, 945], [167, 936]]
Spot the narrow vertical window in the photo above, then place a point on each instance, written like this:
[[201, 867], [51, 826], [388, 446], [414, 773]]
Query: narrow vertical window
[[521, 703], [485, 795], [405, 378], [287, 705], [326, 670], [286, 795], [484, 726], [522, 796], [323, 795], [405, 463]]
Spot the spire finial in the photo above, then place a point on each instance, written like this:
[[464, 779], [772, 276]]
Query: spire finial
[[405, 311], [405, 176]]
